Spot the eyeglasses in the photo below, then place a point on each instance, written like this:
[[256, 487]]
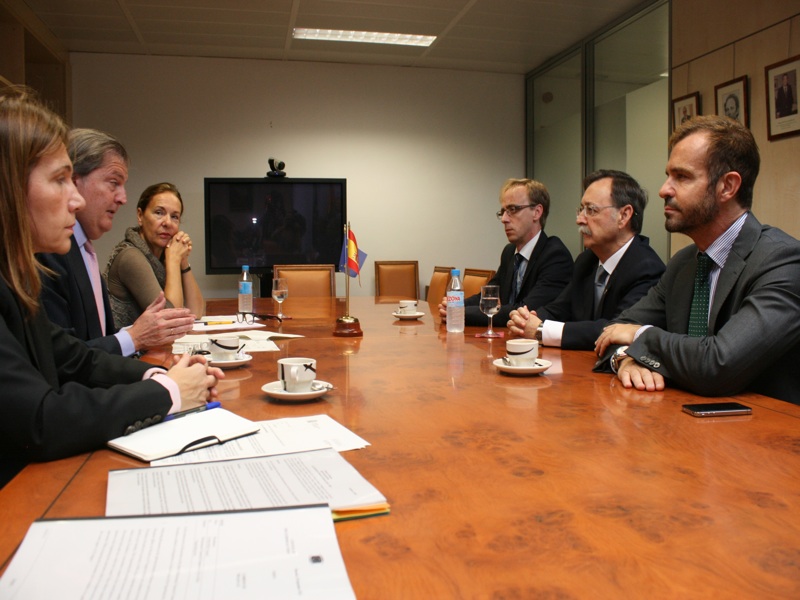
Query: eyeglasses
[[591, 210], [250, 318], [512, 209]]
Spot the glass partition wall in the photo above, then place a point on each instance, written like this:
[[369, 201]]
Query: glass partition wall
[[604, 105]]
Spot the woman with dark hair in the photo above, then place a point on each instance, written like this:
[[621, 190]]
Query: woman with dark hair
[[154, 256], [61, 397]]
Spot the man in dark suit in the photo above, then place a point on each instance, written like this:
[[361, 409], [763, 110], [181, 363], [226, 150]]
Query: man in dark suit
[[725, 316], [616, 269], [75, 297], [534, 268], [784, 99]]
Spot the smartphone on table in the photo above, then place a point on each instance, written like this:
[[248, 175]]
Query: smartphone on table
[[717, 409]]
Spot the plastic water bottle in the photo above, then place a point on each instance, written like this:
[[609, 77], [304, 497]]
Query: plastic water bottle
[[455, 303], [246, 291]]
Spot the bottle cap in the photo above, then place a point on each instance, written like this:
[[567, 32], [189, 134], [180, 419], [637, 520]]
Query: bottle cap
[[245, 267], [455, 272]]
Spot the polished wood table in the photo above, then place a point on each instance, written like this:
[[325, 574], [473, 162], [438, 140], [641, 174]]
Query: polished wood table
[[562, 485]]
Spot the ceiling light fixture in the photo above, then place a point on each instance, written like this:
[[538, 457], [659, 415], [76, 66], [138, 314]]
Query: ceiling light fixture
[[367, 37]]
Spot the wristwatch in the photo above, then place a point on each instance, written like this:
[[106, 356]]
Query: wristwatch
[[616, 358], [539, 330]]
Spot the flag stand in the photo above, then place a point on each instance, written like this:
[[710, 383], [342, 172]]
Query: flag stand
[[347, 326]]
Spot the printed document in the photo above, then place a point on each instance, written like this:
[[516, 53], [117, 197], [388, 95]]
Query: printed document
[[277, 436], [318, 476], [287, 554]]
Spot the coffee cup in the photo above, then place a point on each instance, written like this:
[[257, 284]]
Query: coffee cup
[[297, 374], [224, 347], [522, 352], [407, 307]]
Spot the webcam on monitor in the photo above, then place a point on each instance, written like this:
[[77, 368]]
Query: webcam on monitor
[[276, 168]]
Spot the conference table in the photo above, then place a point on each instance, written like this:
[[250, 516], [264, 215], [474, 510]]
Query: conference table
[[557, 485]]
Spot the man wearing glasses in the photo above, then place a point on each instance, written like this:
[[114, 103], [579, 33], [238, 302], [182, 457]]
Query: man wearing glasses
[[534, 267], [616, 269]]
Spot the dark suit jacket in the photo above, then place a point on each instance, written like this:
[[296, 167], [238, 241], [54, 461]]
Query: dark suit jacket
[[61, 397], [754, 321], [549, 271], [637, 271], [68, 299], [784, 101]]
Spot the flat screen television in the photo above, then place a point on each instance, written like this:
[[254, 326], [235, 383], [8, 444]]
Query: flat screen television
[[266, 221]]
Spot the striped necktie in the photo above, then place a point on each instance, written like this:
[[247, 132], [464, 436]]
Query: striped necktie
[[698, 315]]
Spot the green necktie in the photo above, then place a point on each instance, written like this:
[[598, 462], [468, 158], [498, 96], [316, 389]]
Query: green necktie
[[698, 316]]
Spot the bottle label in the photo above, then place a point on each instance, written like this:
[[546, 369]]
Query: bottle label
[[455, 298], [245, 287]]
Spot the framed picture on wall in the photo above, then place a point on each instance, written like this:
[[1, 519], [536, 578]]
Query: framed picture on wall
[[684, 108], [781, 78], [731, 98]]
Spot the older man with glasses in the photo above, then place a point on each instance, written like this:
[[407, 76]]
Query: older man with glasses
[[534, 267], [616, 269]]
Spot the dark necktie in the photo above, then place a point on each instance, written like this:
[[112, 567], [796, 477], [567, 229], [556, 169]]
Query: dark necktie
[[698, 316], [599, 287], [517, 280]]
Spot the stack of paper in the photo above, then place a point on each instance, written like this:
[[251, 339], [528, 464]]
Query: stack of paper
[[253, 527], [318, 476]]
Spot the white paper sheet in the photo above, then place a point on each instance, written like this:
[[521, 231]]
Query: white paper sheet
[[191, 341], [277, 436], [264, 482], [254, 341], [287, 554]]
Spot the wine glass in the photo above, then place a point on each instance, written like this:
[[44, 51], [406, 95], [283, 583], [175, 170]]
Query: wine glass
[[280, 290], [490, 305]]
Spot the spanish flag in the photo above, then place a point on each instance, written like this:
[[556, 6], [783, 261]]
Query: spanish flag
[[351, 256]]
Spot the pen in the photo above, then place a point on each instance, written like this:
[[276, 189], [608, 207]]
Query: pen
[[183, 413], [218, 322]]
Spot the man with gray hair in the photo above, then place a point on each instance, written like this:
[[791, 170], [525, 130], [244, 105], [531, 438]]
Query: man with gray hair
[[616, 269], [75, 296]]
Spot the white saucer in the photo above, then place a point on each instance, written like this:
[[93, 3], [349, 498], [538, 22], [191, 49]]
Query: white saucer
[[540, 367], [407, 316], [275, 390], [241, 359]]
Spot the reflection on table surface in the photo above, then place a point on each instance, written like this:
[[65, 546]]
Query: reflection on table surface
[[501, 486]]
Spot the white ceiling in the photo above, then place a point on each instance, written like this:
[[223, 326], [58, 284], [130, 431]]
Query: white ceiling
[[503, 36]]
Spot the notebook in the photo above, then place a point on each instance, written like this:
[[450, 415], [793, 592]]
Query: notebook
[[190, 432]]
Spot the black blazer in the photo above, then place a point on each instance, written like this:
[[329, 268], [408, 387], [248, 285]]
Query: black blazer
[[68, 300], [60, 397], [549, 271], [638, 270]]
